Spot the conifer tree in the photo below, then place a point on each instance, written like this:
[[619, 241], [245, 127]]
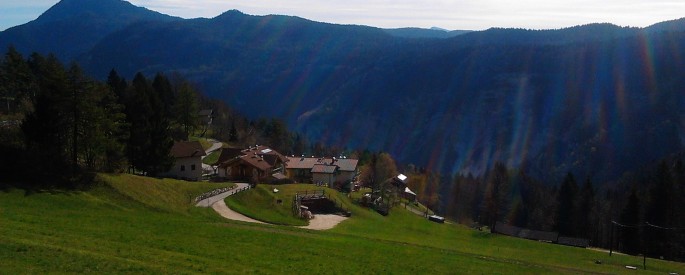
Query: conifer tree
[[16, 80], [496, 194], [564, 220], [185, 109], [630, 217]]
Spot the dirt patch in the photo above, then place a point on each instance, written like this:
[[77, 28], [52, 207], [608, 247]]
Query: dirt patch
[[324, 222]]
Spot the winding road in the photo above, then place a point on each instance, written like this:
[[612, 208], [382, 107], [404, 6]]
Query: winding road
[[216, 145], [319, 222]]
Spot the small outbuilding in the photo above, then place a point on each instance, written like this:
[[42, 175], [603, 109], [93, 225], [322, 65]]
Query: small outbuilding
[[188, 161]]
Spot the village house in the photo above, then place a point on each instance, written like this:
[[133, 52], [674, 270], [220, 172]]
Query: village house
[[188, 161], [254, 164], [325, 171]]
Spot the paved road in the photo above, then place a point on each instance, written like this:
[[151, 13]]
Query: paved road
[[212, 200], [320, 222], [217, 203], [216, 145], [223, 210]]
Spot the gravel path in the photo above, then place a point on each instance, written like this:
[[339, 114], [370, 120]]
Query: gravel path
[[223, 210], [319, 222]]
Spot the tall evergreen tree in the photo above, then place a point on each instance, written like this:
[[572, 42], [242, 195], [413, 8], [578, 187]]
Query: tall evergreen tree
[[165, 91], [16, 80], [630, 217], [233, 134], [149, 140], [186, 108], [46, 129], [566, 198], [119, 86], [496, 195], [584, 220], [661, 208]]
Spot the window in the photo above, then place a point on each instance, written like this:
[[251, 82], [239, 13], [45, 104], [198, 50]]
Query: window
[[183, 167], [192, 167]]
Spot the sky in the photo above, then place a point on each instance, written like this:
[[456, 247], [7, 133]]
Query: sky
[[447, 14]]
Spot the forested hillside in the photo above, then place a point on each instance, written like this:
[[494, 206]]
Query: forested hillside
[[598, 100], [563, 130]]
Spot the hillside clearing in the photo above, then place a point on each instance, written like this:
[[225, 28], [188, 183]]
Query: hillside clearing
[[120, 227]]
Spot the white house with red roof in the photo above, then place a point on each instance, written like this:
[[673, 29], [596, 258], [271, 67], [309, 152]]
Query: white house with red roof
[[188, 164]]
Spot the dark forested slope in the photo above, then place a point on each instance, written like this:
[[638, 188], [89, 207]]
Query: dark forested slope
[[597, 99]]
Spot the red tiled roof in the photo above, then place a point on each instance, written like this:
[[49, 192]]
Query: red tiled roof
[[263, 150], [186, 149], [309, 163], [324, 169], [302, 163], [256, 161], [228, 154], [260, 157], [346, 164]]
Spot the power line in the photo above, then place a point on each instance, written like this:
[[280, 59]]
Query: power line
[[628, 226], [664, 228]]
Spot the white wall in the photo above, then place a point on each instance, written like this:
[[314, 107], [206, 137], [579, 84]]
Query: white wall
[[188, 172]]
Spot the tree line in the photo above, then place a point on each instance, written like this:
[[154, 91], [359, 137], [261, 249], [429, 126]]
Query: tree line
[[59, 126], [71, 125], [638, 214]]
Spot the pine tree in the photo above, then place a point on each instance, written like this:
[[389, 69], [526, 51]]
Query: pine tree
[[496, 195], [165, 91], [564, 222], [584, 220], [630, 216], [150, 140], [661, 207], [16, 80], [46, 128], [186, 108]]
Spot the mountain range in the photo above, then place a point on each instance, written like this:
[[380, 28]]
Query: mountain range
[[598, 100]]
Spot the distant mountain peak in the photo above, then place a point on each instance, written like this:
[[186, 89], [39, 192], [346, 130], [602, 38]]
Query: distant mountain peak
[[72, 27], [439, 29], [671, 25], [66, 9]]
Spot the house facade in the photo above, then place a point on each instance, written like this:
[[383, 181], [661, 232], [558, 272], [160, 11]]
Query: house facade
[[255, 164], [188, 161], [326, 171]]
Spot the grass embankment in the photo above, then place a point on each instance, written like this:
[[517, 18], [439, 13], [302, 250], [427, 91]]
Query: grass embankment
[[161, 194], [119, 227], [212, 158]]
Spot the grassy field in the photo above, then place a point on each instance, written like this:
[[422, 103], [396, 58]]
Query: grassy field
[[212, 157], [262, 203], [129, 224]]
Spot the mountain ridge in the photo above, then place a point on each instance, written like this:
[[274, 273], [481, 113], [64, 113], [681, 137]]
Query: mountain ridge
[[595, 99], [72, 27]]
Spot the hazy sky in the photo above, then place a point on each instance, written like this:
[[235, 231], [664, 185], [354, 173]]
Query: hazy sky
[[455, 14]]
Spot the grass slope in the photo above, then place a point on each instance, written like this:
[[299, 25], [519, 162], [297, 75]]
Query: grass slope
[[121, 227], [212, 158], [261, 203]]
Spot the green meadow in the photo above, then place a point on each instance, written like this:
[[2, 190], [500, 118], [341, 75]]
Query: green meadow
[[130, 224]]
